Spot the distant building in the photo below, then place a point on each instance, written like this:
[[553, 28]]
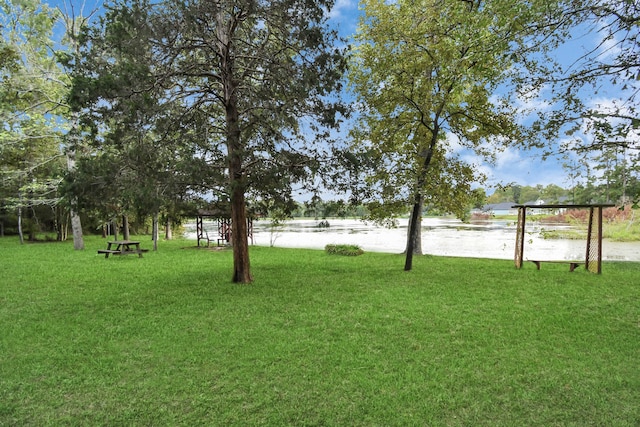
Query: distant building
[[533, 202], [548, 211], [504, 208]]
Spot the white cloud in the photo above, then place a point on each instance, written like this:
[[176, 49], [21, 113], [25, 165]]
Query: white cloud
[[524, 168], [509, 158], [532, 101], [342, 8]]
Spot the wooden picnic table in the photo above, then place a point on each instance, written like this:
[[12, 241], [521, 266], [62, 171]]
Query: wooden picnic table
[[122, 247]]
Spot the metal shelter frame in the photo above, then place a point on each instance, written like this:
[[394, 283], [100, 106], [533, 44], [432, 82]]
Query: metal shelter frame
[[223, 222], [593, 258]]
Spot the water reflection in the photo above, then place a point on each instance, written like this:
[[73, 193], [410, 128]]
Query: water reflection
[[440, 236]]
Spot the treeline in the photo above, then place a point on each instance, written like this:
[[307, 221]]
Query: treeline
[[619, 190], [523, 193]]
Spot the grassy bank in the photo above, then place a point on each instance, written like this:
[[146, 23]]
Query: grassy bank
[[318, 339]]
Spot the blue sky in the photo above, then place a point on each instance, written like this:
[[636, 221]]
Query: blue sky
[[512, 165]]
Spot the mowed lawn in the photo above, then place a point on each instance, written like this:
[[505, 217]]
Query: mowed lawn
[[318, 339]]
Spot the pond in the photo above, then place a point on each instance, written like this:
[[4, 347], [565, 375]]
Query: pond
[[440, 236]]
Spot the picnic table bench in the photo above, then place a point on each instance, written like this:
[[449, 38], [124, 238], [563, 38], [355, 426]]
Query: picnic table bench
[[122, 247], [572, 264]]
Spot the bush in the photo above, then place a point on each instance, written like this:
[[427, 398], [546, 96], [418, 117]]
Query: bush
[[347, 250], [480, 216]]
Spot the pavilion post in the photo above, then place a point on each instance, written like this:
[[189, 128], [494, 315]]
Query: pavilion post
[[199, 229], [599, 239], [522, 216], [593, 259]]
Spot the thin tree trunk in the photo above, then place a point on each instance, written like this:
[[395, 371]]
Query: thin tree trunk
[[114, 225], [414, 234], [413, 244], [168, 231], [20, 233], [62, 223], [125, 227], [76, 229], [76, 224], [154, 231], [414, 239]]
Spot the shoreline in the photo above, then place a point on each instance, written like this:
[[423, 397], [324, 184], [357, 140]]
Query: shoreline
[[494, 239]]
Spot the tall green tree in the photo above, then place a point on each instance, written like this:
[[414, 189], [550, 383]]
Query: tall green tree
[[425, 73], [606, 176], [31, 94], [263, 70], [260, 72], [255, 75], [74, 21], [148, 140]]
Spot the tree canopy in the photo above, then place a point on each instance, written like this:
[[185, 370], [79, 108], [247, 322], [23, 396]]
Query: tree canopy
[[226, 68]]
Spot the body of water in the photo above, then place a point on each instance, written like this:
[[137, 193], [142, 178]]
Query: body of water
[[440, 236]]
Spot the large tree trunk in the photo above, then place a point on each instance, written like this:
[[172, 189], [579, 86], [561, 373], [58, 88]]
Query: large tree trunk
[[235, 150], [239, 240]]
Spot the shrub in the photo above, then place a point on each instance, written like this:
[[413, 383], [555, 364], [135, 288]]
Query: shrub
[[347, 250], [480, 216]]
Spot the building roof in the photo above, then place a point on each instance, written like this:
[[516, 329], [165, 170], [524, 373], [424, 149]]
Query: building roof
[[504, 206], [559, 206]]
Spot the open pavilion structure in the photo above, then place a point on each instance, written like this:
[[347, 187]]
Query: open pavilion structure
[[593, 254], [222, 220]]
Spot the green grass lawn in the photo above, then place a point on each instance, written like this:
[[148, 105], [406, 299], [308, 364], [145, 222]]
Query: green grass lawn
[[318, 339]]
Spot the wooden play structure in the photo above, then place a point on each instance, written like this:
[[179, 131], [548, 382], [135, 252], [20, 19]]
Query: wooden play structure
[[593, 256], [221, 235]]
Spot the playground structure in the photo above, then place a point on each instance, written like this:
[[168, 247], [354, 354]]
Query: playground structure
[[593, 256], [223, 225]]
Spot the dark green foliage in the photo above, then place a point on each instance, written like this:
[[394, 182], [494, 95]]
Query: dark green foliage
[[211, 82], [347, 250]]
